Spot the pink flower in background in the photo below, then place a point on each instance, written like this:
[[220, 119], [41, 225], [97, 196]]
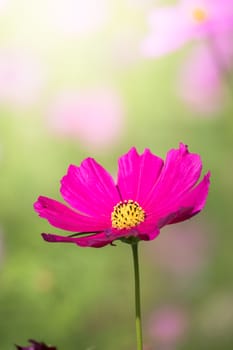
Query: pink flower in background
[[173, 26], [150, 193], [77, 17], [21, 77], [168, 326], [203, 78], [93, 117], [199, 82], [183, 252]]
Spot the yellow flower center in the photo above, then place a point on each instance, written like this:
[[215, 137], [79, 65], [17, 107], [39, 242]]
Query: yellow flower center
[[127, 214], [199, 14]]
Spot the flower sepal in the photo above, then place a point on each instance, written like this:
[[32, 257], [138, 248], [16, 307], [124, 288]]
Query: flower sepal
[[130, 240]]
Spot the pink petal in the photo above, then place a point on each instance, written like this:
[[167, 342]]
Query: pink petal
[[194, 201], [199, 82], [219, 16], [180, 173], [65, 218], [222, 46], [148, 231], [97, 240], [90, 189], [137, 174], [189, 205]]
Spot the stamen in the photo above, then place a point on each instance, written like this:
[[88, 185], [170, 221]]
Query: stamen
[[127, 214], [199, 14]]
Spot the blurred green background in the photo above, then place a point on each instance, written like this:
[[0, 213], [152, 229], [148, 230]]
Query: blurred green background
[[53, 54]]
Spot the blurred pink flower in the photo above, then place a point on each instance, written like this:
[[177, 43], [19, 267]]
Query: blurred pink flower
[[168, 326], [201, 79], [148, 195], [184, 252], [200, 83], [94, 117], [21, 77], [172, 26], [77, 17]]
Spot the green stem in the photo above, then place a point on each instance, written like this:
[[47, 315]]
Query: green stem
[[134, 246]]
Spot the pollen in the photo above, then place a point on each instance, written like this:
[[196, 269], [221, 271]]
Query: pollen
[[127, 214], [199, 14]]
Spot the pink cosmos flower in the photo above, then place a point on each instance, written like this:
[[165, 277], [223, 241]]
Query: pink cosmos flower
[[173, 26], [36, 346], [149, 194]]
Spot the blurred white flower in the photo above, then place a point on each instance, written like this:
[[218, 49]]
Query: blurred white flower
[[3, 4], [76, 16], [21, 77]]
